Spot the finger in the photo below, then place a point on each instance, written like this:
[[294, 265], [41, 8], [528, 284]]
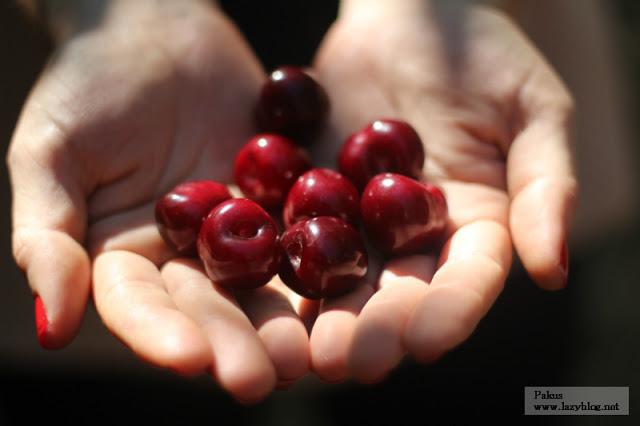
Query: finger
[[387, 8], [541, 180], [133, 231], [306, 309], [474, 267], [332, 333], [283, 333], [49, 222], [133, 303], [377, 345], [241, 363], [469, 202]]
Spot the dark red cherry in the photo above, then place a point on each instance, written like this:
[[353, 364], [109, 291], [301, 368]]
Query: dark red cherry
[[322, 192], [267, 166], [291, 102], [180, 212], [440, 209], [323, 257], [403, 216], [383, 146], [239, 246]]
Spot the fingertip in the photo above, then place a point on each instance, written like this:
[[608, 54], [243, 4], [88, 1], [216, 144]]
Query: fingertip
[[240, 362], [331, 370], [540, 217], [429, 357], [169, 341], [377, 346], [42, 323], [550, 272], [280, 329], [187, 354], [376, 350], [287, 343], [442, 320], [249, 385], [245, 371], [371, 377], [58, 270]]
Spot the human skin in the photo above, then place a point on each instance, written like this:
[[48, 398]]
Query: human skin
[[141, 99], [136, 98], [495, 120]]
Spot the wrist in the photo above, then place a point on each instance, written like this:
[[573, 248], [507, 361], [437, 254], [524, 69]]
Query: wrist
[[361, 9], [66, 18]]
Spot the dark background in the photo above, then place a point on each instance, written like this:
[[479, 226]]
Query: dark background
[[586, 335]]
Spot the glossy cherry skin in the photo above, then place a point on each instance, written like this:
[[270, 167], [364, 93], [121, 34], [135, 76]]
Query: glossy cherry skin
[[440, 209], [239, 246], [403, 216], [180, 212], [323, 257], [266, 168], [322, 192], [291, 103], [384, 146]]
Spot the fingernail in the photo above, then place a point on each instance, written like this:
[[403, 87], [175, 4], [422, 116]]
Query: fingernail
[[564, 263], [42, 322]]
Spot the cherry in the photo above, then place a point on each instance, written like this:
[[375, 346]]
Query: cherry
[[383, 146], [238, 244], [180, 212], [440, 210], [323, 257], [403, 216], [322, 192], [291, 102], [267, 166]]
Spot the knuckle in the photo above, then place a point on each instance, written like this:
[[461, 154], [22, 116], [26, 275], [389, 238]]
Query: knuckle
[[40, 139], [44, 154]]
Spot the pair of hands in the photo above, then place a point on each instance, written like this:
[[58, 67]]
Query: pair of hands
[[146, 100]]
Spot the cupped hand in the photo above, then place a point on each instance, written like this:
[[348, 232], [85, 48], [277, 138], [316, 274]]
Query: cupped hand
[[495, 121], [124, 111]]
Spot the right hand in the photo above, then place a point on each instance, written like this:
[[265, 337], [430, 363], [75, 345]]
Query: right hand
[[124, 111]]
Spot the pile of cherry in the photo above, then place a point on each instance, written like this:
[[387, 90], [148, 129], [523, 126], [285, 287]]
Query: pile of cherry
[[321, 252]]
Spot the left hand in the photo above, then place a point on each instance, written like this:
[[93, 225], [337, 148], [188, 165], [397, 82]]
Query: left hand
[[495, 120]]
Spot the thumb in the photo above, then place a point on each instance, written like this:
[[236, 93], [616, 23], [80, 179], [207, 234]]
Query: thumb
[[541, 180], [49, 223]]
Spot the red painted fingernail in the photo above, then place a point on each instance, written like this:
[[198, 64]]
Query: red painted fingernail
[[42, 322], [564, 263]]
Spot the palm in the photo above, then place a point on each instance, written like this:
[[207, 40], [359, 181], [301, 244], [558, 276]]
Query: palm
[[459, 90], [135, 116], [461, 109], [157, 119]]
